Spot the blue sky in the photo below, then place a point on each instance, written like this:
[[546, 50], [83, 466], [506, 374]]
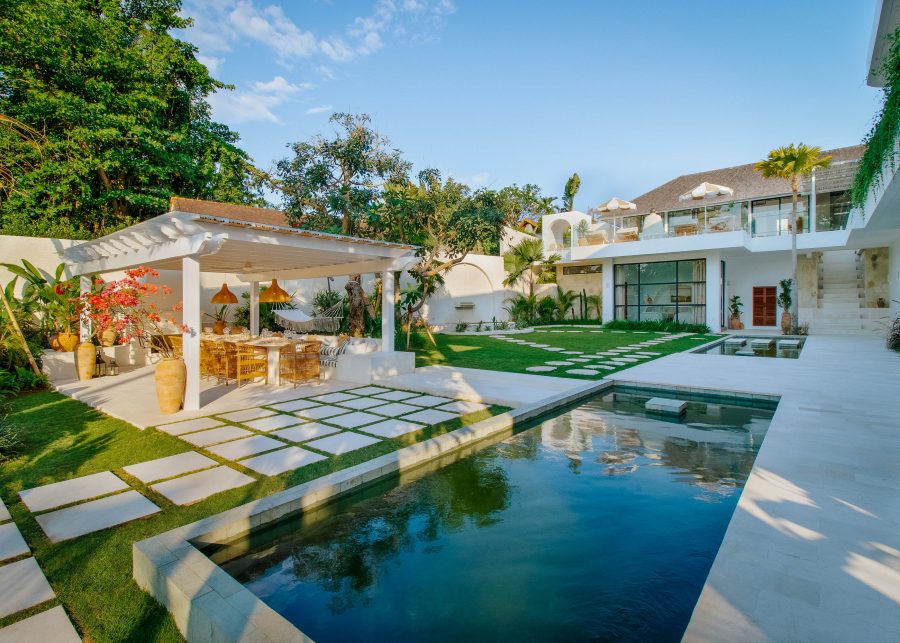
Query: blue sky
[[628, 94]]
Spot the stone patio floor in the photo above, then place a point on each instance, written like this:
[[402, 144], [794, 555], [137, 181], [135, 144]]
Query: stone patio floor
[[812, 552]]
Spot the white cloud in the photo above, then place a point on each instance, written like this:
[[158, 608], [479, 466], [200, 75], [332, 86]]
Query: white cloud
[[258, 103], [279, 86], [271, 27], [473, 180], [212, 63], [318, 110]]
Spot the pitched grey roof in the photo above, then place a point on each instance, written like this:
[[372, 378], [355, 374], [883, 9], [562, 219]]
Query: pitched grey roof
[[747, 183]]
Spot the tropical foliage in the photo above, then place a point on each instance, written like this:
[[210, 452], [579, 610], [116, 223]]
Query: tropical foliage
[[526, 262], [104, 117], [571, 189]]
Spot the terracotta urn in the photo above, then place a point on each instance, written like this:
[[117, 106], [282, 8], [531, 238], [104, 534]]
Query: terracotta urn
[[171, 374], [219, 327], [85, 360], [53, 340], [237, 330], [67, 341], [108, 337], [735, 323], [786, 322]]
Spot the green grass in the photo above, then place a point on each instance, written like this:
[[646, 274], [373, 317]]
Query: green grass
[[496, 355], [92, 575]]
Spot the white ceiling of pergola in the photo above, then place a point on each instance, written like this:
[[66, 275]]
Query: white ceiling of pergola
[[254, 252]]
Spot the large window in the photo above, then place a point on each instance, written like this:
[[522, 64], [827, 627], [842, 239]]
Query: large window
[[662, 290], [773, 216]]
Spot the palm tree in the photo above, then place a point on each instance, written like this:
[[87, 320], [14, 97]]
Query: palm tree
[[565, 301], [570, 191], [519, 262], [791, 162]]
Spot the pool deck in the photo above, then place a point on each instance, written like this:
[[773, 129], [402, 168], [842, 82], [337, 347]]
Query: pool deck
[[812, 552]]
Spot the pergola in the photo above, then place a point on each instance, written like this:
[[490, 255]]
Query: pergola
[[255, 244]]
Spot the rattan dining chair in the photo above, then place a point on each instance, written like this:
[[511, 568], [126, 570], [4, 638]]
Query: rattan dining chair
[[252, 362]]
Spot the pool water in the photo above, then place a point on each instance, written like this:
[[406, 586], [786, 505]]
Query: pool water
[[758, 347], [600, 523]]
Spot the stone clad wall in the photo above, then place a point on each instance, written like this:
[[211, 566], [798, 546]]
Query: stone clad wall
[[875, 264]]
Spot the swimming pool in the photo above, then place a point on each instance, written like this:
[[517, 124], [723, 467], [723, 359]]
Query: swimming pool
[[755, 346], [601, 522]]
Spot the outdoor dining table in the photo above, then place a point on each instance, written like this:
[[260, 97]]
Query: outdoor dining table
[[272, 345]]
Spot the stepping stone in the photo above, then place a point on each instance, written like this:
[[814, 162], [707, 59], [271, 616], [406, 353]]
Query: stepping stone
[[665, 406], [369, 390], [431, 416], [540, 369], [463, 407], [621, 332], [214, 436], [275, 422], [11, 542], [396, 396], [246, 414], [362, 403], [553, 349], [95, 515], [245, 447], [46, 627], [391, 428], [342, 443], [320, 412], [293, 405], [560, 363], [628, 360], [580, 359], [304, 432], [789, 343], [69, 491], [197, 486], [4, 512], [198, 424], [762, 343], [355, 419], [276, 462], [648, 353], [735, 341], [745, 353], [540, 345], [605, 367], [428, 400], [582, 371], [23, 585], [169, 467], [573, 352], [333, 398], [394, 409]]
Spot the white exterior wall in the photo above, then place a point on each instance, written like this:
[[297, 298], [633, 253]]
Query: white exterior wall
[[479, 280], [894, 276], [743, 273]]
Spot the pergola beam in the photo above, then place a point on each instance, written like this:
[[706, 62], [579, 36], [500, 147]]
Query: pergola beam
[[204, 243], [335, 270]]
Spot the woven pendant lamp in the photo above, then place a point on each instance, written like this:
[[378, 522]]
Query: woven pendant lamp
[[224, 296], [274, 294]]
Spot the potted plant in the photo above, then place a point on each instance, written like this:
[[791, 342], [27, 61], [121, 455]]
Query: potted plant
[[785, 299], [221, 318], [735, 306]]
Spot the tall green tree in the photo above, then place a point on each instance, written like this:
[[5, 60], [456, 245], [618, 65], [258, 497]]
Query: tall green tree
[[791, 162], [571, 189], [331, 182], [120, 108], [526, 261], [527, 201]]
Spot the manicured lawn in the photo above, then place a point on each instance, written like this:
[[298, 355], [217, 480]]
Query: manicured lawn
[[92, 575], [496, 355]]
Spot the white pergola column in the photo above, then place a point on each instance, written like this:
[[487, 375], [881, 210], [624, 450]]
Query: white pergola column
[[254, 308], [190, 317], [84, 324], [387, 311], [607, 292]]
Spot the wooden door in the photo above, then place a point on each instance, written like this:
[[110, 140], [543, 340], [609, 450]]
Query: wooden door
[[765, 308]]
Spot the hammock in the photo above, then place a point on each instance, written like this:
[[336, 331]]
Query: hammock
[[296, 320]]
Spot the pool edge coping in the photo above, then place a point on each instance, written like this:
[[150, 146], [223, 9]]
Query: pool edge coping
[[209, 605]]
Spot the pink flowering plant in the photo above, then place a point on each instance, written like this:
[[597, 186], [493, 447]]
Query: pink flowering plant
[[126, 305]]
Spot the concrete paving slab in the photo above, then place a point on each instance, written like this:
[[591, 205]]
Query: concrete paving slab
[[463, 407], [392, 428], [22, 585], [428, 400], [52, 626], [215, 436], [540, 369], [197, 424], [293, 405], [245, 447], [197, 486], [321, 412], [4, 512], [11, 542], [170, 466], [360, 403], [303, 432], [665, 405], [276, 462], [396, 396], [69, 491], [559, 362], [247, 414], [332, 398], [95, 515], [353, 420], [582, 371], [395, 408], [342, 443], [369, 390], [431, 416], [274, 422]]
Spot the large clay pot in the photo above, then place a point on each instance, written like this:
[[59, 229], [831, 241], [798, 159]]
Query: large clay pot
[[219, 327], [68, 341], [786, 322], [108, 337], [237, 330], [85, 360], [54, 342], [170, 378], [735, 323]]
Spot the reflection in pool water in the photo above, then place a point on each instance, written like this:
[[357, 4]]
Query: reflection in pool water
[[599, 523]]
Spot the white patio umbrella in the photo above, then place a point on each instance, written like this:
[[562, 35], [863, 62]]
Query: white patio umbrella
[[705, 190], [615, 204]]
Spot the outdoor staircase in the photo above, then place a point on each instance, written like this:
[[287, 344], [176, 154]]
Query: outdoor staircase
[[841, 299]]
